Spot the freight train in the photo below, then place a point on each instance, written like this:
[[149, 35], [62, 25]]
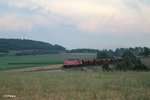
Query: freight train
[[77, 62]]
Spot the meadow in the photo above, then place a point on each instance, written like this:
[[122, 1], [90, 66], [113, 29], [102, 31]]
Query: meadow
[[19, 62], [68, 85], [75, 85]]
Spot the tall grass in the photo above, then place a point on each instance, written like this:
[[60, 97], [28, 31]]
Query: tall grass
[[76, 85]]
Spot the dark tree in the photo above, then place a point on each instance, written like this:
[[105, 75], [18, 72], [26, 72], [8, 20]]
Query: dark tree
[[131, 62], [102, 55], [146, 52]]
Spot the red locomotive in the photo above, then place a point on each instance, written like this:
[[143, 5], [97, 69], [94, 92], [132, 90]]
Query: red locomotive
[[76, 62], [72, 62]]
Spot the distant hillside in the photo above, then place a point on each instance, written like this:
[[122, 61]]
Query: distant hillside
[[22, 44]]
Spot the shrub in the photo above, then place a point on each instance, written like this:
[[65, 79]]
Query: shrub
[[105, 67], [130, 62]]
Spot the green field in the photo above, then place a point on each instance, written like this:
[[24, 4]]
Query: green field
[[75, 85], [18, 62]]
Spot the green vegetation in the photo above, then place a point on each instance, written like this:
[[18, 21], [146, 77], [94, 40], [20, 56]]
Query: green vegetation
[[131, 62], [17, 62], [76, 85], [28, 47], [105, 67], [137, 51], [146, 52], [83, 51], [71, 85], [21, 47], [102, 55]]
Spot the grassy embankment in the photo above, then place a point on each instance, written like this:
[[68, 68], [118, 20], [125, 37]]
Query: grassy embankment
[[76, 85]]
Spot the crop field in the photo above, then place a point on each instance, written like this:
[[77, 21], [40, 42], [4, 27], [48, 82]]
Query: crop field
[[19, 62], [76, 85]]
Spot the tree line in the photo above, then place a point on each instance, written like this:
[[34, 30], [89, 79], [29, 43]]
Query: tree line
[[83, 51], [137, 51]]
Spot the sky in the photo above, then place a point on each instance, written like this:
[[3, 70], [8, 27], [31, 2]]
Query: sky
[[98, 24]]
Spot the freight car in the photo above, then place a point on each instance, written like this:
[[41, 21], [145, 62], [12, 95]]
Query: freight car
[[76, 62]]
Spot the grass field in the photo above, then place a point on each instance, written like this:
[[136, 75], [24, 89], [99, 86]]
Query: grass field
[[49, 68], [18, 62], [75, 85], [68, 85]]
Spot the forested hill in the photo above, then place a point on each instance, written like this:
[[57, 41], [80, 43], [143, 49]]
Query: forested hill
[[23, 44]]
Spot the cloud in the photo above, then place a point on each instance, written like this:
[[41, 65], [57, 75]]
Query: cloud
[[120, 22], [20, 4], [93, 16], [14, 23]]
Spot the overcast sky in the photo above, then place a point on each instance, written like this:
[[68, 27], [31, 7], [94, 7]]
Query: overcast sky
[[99, 24]]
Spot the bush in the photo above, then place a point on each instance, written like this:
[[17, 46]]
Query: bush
[[130, 62], [105, 67]]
